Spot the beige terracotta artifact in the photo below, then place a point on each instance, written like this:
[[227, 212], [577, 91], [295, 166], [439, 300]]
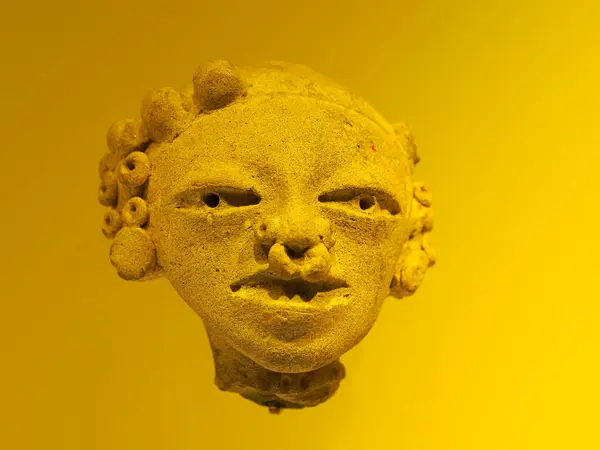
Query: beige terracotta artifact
[[281, 208]]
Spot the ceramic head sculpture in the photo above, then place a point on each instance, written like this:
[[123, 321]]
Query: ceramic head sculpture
[[281, 208]]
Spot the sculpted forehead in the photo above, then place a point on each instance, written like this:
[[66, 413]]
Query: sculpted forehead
[[285, 138]]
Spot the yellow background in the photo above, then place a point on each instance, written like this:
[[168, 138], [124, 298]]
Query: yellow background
[[498, 350]]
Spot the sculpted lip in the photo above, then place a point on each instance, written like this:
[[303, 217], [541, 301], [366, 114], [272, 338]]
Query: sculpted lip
[[279, 289]]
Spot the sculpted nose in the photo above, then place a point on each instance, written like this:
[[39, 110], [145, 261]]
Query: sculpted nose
[[299, 249]]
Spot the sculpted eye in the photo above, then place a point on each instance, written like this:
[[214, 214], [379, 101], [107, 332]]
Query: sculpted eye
[[370, 201], [218, 198]]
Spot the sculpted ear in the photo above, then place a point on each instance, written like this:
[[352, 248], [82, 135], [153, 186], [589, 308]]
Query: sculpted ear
[[418, 254]]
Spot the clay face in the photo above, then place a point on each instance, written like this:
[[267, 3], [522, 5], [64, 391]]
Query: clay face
[[280, 208], [281, 233]]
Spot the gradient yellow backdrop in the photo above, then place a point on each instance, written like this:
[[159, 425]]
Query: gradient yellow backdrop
[[498, 350]]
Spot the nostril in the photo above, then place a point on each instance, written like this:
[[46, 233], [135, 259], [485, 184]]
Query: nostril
[[295, 252], [265, 248]]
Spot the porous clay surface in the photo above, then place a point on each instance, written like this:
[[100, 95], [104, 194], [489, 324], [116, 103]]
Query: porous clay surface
[[281, 208]]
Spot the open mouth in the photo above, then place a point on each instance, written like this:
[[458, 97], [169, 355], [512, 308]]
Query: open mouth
[[296, 289]]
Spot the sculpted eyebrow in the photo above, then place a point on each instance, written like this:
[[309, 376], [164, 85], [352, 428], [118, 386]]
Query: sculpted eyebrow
[[352, 191], [218, 181]]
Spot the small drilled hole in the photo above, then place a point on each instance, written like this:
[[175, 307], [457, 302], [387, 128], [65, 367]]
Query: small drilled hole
[[366, 203], [130, 165], [133, 208], [263, 227], [212, 200]]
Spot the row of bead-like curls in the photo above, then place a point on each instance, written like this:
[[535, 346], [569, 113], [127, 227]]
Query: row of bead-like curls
[[122, 190], [418, 254]]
